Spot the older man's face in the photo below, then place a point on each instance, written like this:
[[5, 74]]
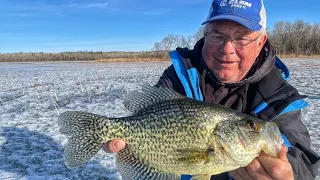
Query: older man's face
[[230, 60]]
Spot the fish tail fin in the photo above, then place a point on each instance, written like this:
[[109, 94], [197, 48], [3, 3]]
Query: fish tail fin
[[87, 133]]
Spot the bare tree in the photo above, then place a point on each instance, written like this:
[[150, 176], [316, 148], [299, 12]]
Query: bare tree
[[198, 35], [168, 42], [298, 33], [158, 49], [315, 39], [182, 41], [277, 36]]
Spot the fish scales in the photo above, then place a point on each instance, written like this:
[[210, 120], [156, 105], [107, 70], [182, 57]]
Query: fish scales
[[169, 135], [173, 125]]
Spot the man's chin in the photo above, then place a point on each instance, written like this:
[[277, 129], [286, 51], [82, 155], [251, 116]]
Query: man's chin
[[226, 78]]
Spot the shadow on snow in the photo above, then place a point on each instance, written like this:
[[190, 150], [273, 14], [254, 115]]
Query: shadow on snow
[[33, 155]]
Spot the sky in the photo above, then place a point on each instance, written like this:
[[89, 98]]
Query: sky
[[117, 25]]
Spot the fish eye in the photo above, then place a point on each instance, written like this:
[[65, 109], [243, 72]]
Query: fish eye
[[253, 126]]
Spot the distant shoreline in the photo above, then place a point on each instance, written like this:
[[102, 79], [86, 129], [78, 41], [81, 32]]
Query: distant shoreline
[[134, 59], [316, 56], [161, 60]]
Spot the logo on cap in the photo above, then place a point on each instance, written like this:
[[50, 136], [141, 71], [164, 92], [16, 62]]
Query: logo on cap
[[236, 3], [224, 3]]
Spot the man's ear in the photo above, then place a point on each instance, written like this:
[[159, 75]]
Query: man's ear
[[262, 41]]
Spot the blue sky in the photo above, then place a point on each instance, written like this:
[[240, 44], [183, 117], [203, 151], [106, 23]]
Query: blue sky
[[116, 25]]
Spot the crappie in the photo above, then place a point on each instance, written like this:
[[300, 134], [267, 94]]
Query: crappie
[[169, 135]]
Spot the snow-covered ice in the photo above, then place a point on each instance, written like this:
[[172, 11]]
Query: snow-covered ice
[[33, 94]]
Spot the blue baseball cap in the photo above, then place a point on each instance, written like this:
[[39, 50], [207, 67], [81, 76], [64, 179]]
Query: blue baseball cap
[[249, 13]]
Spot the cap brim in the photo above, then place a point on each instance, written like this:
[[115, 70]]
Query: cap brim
[[254, 26]]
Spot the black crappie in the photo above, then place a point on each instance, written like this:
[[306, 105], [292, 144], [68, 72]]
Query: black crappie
[[169, 135]]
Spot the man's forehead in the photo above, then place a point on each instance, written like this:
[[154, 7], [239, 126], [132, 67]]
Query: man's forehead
[[227, 25]]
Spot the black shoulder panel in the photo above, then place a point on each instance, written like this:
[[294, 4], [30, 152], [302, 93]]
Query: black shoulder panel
[[275, 91]]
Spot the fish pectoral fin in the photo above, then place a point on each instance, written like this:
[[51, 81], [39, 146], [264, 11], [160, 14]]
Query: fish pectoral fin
[[200, 177], [193, 156]]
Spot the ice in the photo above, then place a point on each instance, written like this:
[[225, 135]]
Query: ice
[[33, 94]]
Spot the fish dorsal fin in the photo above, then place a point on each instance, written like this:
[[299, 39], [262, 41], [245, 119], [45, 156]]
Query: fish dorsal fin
[[131, 168], [149, 95]]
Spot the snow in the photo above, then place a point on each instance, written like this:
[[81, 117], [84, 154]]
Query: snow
[[33, 94]]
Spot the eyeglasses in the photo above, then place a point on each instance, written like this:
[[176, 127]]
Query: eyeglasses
[[238, 43]]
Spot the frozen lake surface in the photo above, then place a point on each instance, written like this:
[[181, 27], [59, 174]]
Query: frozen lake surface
[[33, 94]]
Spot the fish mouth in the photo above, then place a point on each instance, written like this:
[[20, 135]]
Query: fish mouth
[[272, 135], [272, 131]]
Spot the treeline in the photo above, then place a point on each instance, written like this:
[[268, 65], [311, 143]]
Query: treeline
[[294, 39], [173, 41], [299, 38], [80, 56]]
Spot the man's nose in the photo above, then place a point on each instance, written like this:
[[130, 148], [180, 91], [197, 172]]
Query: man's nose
[[227, 47]]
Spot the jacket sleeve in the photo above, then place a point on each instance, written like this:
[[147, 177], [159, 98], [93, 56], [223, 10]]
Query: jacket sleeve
[[304, 161]]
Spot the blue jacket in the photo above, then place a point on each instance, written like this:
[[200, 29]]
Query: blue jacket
[[265, 94]]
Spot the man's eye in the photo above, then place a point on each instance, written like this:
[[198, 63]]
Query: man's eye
[[240, 39], [218, 37]]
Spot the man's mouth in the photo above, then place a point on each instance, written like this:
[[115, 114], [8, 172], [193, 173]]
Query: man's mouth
[[225, 62]]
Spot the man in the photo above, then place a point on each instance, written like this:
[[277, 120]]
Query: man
[[234, 65]]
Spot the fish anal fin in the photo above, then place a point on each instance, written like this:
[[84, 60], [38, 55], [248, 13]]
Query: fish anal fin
[[130, 168], [201, 177]]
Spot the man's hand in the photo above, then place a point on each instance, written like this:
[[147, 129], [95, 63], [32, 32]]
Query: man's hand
[[114, 146], [265, 167]]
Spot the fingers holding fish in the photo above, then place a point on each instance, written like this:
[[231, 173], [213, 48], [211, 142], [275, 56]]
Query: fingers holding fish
[[114, 146], [277, 167]]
